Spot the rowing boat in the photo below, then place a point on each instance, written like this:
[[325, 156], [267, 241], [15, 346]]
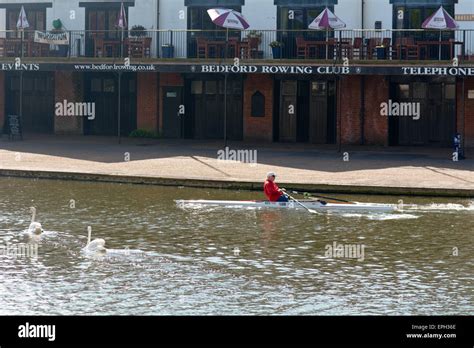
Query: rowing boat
[[311, 204]]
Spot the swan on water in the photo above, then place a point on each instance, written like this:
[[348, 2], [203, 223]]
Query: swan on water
[[35, 230], [95, 246]]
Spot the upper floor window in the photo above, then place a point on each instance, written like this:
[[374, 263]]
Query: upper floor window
[[198, 18], [298, 14], [36, 19], [409, 14]]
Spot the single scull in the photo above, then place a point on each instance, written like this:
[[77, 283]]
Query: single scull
[[312, 204]]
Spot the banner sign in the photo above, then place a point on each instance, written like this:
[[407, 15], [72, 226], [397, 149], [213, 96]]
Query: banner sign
[[271, 69], [52, 38]]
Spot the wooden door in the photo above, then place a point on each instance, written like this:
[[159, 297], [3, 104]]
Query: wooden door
[[288, 111], [318, 120], [172, 119]]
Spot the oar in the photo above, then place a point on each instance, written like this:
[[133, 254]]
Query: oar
[[304, 206], [329, 198]]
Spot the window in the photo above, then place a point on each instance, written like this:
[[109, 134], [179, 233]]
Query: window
[[419, 90], [96, 85], [258, 105], [36, 19], [198, 19], [318, 88], [450, 91], [109, 85], [104, 21], [211, 87], [403, 91], [410, 15], [196, 87]]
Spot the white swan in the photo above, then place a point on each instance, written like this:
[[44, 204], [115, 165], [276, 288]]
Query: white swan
[[95, 246], [35, 230]]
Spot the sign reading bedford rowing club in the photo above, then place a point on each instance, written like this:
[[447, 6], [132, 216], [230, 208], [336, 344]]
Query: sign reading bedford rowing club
[[275, 69]]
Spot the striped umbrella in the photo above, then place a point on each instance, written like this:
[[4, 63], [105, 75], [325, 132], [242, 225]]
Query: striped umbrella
[[122, 18], [440, 20], [228, 18], [22, 22], [327, 20]]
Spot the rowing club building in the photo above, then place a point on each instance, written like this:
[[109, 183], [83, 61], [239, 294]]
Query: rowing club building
[[381, 80]]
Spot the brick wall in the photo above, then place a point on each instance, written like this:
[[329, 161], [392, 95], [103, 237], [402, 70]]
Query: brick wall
[[171, 80], [147, 101], [377, 91], [258, 128], [468, 109], [349, 110], [2, 100], [375, 126], [69, 87]]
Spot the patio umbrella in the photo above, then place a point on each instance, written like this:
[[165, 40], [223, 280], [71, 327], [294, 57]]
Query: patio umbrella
[[122, 18], [122, 23], [327, 20], [22, 22], [440, 20], [229, 19]]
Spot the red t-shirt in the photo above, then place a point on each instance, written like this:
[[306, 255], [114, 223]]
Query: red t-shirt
[[271, 191]]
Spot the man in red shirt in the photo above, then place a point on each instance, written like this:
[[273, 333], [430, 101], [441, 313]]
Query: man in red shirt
[[272, 191]]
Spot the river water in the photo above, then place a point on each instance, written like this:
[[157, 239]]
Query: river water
[[167, 260]]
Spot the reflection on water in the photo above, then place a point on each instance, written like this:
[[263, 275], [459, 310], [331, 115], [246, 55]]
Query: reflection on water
[[167, 260]]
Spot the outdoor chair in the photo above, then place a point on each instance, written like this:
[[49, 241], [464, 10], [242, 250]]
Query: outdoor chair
[[98, 47], [12, 47], [357, 49], [301, 48], [202, 49], [405, 48], [386, 44]]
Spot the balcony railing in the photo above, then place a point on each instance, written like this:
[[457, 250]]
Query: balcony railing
[[247, 45]]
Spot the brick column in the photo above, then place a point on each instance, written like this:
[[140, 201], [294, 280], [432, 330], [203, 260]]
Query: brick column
[[468, 111], [69, 86], [258, 128], [147, 101], [377, 91], [348, 120]]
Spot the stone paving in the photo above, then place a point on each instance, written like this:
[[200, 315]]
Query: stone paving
[[353, 166]]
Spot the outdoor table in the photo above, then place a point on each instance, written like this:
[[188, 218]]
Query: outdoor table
[[105, 45], [424, 46], [220, 45], [13, 47], [314, 47]]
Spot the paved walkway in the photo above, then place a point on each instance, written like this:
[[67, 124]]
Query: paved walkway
[[368, 169]]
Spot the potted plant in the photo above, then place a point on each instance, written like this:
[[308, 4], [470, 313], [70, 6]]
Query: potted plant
[[276, 49], [138, 31], [254, 35]]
